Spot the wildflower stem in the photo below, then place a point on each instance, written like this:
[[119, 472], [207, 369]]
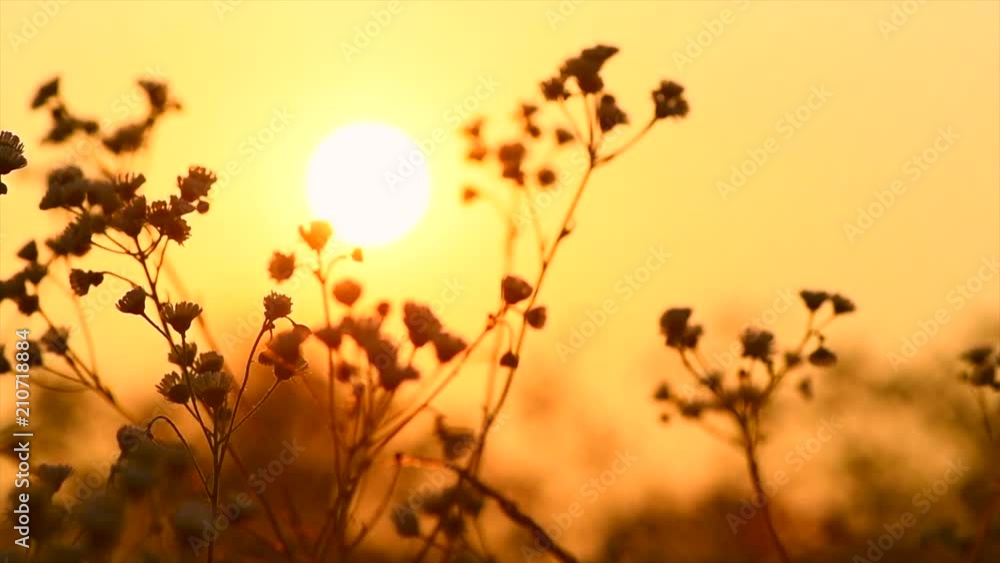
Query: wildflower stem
[[758, 487], [628, 144], [508, 507], [243, 386], [187, 448], [253, 409]]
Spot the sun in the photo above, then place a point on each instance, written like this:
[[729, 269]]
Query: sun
[[371, 182]]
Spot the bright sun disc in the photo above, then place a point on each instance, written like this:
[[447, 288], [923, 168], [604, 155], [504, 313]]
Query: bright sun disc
[[371, 182]]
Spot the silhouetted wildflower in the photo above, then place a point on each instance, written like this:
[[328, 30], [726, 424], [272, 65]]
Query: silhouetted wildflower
[[554, 89], [347, 292], [317, 235], [841, 304], [404, 519], [978, 356], [448, 346], [509, 360], [536, 317], [209, 361], [813, 299], [282, 266], [563, 136], [35, 272], [56, 340], [212, 387], [11, 153], [822, 357], [358, 255], [173, 388], [196, 184], [669, 101], [45, 92], [757, 344], [421, 323], [546, 177], [168, 222], [394, 376], [469, 194], [277, 306], [609, 115], [331, 336], [662, 393], [674, 324], [514, 290], [127, 138], [183, 355], [27, 304], [133, 302], [180, 315]]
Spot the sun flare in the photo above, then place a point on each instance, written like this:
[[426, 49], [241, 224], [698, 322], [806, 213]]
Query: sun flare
[[371, 182]]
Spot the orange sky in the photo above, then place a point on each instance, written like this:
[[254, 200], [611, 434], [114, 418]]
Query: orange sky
[[869, 97]]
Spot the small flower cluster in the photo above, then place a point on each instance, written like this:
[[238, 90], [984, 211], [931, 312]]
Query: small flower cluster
[[128, 138], [982, 367], [743, 391], [11, 156]]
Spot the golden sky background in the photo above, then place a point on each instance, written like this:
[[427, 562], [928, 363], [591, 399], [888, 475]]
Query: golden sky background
[[893, 82]]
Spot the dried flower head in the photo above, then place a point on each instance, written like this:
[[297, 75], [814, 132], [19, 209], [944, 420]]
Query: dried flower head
[[45, 92], [317, 235], [757, 344], [536, 317], [133, 302], [209, 361], [509, 360], [841, 304], [180, 315], [282, 266], [822, 357], [29, 252], [173, 388], [514, 290], [394, 375], [669, 100], [11, 153], [448, 346], [674, 325], [183, 355], [196, 184], [347, 292], [82, 280], [813, 299], [56, 340], [609, 115], [978, 356], [212, 387], [421, 323], [127, 138], [277, 306], [331, 336], [28, 304]]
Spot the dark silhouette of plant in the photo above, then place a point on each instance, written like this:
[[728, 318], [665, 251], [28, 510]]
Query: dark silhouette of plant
[[366, 363], [743, 396]]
